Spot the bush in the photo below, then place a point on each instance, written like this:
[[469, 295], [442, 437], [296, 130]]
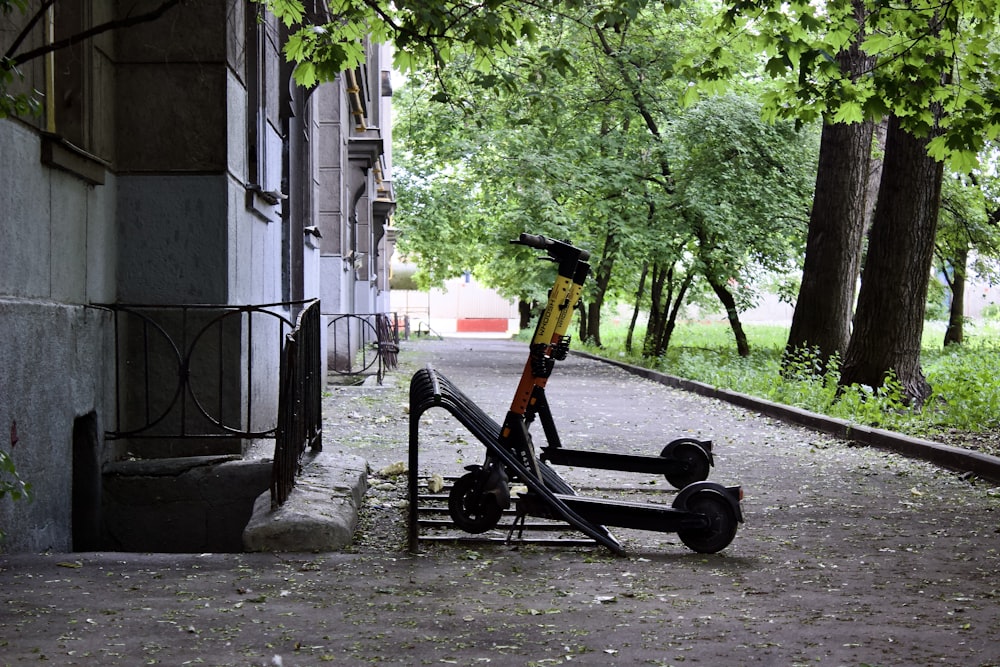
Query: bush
[[10, 482], [991, 312], [966, 389]]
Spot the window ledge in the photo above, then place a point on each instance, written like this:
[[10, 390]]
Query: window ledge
[[61, 154], [263, 203], [312, 237]]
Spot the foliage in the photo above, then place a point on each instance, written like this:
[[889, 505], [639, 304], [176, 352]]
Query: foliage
[[428, 35], [15, 103], [969, 220], [604, 156], [966, 393], [937, 301], [560, 157], [745, 184], [967, 396], [926, 55], [991, 312], [11, 483]]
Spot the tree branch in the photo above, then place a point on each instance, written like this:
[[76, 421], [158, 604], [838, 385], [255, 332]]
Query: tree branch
[[28, 28], [117, 24]]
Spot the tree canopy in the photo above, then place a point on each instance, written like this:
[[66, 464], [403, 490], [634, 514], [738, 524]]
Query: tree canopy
[[925, 55], [605, 121], [604, 155], [428, 34]]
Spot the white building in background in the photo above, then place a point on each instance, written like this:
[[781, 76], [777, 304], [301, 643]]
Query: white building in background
[[463, 307]]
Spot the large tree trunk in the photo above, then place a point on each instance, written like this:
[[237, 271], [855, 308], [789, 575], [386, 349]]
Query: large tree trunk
[[888, 323], [822, 317], [841, 209], [729, 302], [954, 334]]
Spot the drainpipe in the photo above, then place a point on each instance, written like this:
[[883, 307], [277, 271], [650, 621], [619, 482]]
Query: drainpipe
[[354, 94], [292, 208], [50, 71]]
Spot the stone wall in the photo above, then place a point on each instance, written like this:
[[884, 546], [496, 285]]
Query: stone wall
[[187, 505]]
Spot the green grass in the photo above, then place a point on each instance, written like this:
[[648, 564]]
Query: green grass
[[965, 379]]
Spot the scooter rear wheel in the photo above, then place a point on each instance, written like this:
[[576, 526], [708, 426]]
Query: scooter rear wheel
[[470, 508], [694, 464], [722, 523]]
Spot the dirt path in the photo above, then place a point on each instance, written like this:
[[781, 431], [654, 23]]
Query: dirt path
[[849, 556]]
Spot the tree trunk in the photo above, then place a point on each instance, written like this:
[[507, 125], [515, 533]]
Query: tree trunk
[[874, 171], [954, 334], [729, 302], [888, 323], [671, 324], [638, 305], [657, 314], [584, 321], [841, 209], [523, 314], [663, 329], [822, 316], [594, 321], [602, 278], [664, 309]]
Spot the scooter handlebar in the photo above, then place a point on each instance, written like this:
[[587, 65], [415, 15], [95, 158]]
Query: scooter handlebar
[[554, 248]]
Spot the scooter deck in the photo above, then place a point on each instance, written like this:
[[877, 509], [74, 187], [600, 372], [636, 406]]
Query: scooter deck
[[553, 452], [654, 465], [640, 516]]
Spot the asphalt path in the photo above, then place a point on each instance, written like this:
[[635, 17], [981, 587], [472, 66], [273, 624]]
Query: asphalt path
[[849, 555]]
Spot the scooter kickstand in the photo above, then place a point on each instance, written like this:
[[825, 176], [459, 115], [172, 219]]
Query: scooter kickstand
[[519, 520]]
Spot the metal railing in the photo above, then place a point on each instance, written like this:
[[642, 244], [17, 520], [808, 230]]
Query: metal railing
[[192, 371], [300, 419], [359, 343]]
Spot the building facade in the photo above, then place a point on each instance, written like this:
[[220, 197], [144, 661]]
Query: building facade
[[174, 163]]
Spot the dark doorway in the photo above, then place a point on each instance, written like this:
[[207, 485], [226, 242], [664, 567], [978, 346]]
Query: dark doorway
[[86, 484]]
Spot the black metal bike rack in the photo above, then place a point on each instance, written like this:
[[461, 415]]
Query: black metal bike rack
[[704, 514]]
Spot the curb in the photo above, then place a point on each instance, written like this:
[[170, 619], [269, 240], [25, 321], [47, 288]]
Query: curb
[[946, 456], [321, 512]]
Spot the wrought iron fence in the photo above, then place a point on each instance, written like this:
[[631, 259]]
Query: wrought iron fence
[[300, 419], [193, 371], [359, 343], [207, 373]]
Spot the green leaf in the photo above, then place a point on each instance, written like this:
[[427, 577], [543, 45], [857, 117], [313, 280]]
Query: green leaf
[[875, 108], [290, 12], [777, 66], [305, 74], [849, 112]]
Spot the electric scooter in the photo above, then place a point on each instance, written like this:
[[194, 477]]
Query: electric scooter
[[705, 515]]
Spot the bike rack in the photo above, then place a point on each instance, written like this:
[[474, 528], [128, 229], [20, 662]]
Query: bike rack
[[704, 514]]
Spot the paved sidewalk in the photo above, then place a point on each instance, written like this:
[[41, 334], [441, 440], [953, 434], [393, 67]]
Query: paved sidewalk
[[849, 556]]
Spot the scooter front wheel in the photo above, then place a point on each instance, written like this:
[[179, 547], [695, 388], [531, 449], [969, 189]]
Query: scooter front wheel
[[470, 508], [693, 463], [722, 522]]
